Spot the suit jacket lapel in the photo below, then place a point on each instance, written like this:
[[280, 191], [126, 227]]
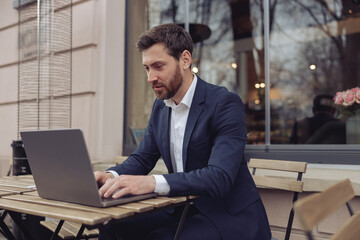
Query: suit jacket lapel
[[194, 114]]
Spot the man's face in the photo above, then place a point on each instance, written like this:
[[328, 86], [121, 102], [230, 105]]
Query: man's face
[[163, 71]]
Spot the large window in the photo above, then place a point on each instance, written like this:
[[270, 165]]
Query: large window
[[313, 52]]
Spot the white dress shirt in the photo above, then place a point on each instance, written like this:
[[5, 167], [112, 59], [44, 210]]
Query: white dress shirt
[[179, 116], [178, 120]]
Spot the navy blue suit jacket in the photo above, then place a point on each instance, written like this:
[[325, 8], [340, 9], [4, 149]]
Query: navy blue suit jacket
[[213, 158]]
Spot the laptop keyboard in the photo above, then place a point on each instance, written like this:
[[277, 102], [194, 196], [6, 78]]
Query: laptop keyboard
[[110, 199]]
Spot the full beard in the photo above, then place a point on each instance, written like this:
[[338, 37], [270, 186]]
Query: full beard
[[171, 89]]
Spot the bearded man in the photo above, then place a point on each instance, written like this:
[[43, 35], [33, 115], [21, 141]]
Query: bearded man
[[199, 130]]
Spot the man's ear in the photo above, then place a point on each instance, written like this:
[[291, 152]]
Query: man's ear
[[186, 59]]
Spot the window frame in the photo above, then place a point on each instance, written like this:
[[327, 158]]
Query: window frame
[[311, 153]]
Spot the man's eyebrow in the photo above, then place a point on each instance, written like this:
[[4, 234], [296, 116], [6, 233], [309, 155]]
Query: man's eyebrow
[[155, 63]]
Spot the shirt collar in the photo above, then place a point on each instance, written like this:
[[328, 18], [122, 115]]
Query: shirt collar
[[187, 99]]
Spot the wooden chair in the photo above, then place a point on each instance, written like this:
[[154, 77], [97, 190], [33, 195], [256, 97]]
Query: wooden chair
[[283, 183], [316, 207], [69, 229]]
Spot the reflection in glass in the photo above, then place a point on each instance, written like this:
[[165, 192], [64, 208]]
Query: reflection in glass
[[314, 50], [229, 56], [322, 127]]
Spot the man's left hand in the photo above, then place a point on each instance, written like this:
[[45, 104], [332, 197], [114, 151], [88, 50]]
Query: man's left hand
[[127, 184]]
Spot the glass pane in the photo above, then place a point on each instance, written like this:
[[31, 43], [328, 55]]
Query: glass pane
[[228, 51], [314, 53], [141, 16], [233, 54]]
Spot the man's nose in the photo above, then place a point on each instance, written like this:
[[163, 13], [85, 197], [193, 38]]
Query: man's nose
[[152, 76]]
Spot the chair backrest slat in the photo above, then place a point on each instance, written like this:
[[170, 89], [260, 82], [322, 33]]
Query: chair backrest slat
[[314, 208], [278, 183], [350, 230], [280, 165]]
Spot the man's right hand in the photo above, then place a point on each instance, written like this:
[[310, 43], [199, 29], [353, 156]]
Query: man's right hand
[[102, 177]]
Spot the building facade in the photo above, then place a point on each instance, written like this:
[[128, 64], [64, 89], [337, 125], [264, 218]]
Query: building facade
[[278, 56], [98, 30]]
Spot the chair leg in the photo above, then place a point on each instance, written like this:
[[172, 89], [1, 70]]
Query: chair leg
[[291, 218], [309, 236], [351, 212], [182, 220], [289, 225]]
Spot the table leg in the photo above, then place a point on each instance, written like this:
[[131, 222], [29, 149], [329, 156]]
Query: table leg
[[8, 234], [81, 231], [3, 215], [182, 220], [21, 225], [57, 230]]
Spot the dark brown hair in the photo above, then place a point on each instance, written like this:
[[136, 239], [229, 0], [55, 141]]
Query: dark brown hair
[[174, 37]]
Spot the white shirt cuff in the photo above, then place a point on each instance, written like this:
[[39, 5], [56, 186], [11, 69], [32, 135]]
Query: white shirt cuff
[[113, 173], [162, 187]]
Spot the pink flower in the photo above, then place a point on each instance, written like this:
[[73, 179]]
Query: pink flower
[[357, 96], [355, 89], [349, 98], [338, 99]]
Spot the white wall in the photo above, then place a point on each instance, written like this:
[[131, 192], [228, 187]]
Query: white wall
[[98, 76]]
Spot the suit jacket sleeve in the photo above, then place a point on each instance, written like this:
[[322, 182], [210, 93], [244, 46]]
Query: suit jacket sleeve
[[143, 160]]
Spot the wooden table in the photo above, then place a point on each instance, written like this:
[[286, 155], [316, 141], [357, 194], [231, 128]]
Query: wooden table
[[17, 195]]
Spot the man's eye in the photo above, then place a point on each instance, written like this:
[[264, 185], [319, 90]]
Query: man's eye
[[159, 66]]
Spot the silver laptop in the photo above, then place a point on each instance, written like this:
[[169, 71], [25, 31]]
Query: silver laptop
[[60, 164]]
